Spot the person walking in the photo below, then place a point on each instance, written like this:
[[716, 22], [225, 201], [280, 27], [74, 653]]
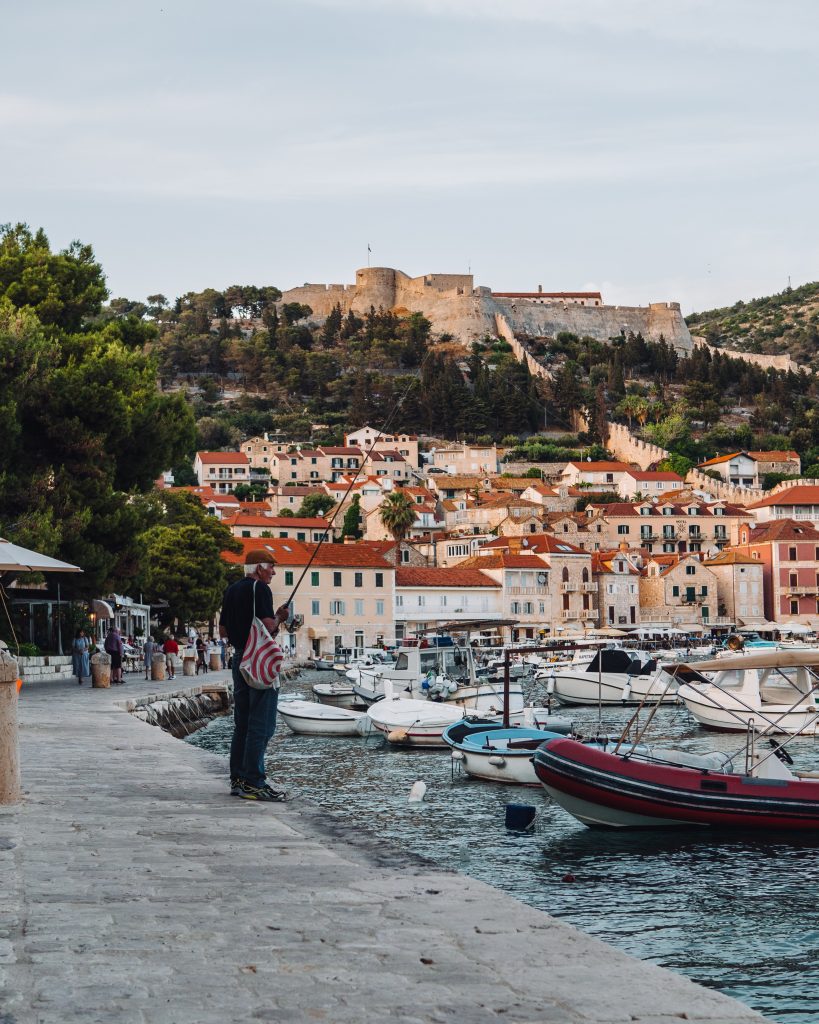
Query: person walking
[[201, 651], [254, 711], [148, 654], [223, 652], [113, 647], [80, 656], [171, 650]]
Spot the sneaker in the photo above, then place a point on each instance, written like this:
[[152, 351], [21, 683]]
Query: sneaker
[[261, 793], [235, 785], [278, 795]]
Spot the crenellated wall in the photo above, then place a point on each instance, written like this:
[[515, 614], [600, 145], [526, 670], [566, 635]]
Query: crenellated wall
[[456, 306], [782, 362]]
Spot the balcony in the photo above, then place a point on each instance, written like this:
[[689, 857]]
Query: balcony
[[588, 588], [567, 614], [648, 538], [813, 589], [568, 588], [528, 591], [588, 613], [720, 620]]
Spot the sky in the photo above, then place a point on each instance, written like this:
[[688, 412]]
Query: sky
[[656, 150]]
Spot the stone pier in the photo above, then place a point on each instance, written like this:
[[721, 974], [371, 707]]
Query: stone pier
[[135, 890]]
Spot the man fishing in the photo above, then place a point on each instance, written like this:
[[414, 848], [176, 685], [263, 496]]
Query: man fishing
[[254, 711]]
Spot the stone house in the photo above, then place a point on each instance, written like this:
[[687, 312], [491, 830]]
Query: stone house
[[312, 529], [618, 588], [746, 469], [799, 502], [647, 483], [464, 459], [595, 476], [679, 590], [740, 587], [368, 438]]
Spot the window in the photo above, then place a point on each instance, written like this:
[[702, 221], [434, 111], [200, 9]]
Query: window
[[675, 591], [791, 554], [793, 579], [690, 570], [703, 591], [379, 607], [283, 533], [358, 579], [794, 607], [315, 607], [336, 579], [399, 601], [246, 533], [379, 579], [359, 607], [527, 607], [301, 536], [421, 600], [515, 608], [337, 608], [288, 577], [314, 579], [622, 529]]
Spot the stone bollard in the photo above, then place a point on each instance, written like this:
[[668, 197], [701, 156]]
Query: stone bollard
[[9, 744], [214, 661], [189, 665], [158, 667], [100, 670]]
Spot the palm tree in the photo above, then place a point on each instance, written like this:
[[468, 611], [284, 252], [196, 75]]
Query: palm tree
[[397, 514]]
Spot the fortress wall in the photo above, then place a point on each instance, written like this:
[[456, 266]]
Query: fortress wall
[[628, 448], [598, 322], [782, 362], [376, 286], [521, 353], [722, 490]]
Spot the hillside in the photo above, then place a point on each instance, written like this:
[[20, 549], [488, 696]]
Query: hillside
[[784, 323]]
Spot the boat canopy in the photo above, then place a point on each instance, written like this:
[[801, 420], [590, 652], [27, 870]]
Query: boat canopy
[[617, 660], [771, 658]]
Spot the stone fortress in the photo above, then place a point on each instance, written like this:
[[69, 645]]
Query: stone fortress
[[455, 306]]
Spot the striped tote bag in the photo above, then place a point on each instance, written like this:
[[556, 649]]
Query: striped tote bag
[[262, 658]]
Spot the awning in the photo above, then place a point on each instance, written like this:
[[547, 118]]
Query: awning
[[756, 627], [13, 558], [794, 627], [316, 632], [102, 609]]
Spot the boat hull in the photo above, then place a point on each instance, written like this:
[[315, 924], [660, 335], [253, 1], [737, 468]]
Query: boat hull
[[602, 789], [337, 695], [306, 718], [731, 716], [584, 688]]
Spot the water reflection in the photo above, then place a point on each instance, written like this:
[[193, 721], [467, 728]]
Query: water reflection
[[737, 913]]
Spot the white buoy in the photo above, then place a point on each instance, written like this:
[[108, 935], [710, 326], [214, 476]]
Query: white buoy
[[416, 794]]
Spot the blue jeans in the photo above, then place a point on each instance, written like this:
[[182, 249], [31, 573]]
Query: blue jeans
[[254, 722]]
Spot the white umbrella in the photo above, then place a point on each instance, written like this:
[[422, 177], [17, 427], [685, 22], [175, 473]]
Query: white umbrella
[[13, 558], [794, 627]]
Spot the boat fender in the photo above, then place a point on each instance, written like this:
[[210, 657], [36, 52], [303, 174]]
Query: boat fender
[[626, 691], [550, 686], [457, 755], [397, 735], [497, 760], [417, 793]]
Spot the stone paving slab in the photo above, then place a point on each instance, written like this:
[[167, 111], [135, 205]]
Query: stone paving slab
[[135, 889]]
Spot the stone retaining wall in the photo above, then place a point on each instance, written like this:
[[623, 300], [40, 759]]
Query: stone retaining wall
[[48, 666]]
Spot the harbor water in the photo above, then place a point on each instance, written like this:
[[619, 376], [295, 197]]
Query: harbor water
[[734, 912]]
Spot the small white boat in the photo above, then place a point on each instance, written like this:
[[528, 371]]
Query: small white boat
[[308, 718], [337, 695], [498, 753], [413, 723], [613, 677], [773, 691], [322, 664]]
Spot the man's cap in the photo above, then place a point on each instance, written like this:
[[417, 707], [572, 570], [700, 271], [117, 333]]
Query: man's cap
[[257, 555]]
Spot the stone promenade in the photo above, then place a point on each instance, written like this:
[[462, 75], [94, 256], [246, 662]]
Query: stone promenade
[[135, 890]]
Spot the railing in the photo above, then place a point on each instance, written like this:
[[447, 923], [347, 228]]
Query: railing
[[568, 588], [528, 591], [649, 536], [588, 613], [567, 614], [814, 589], [721, 620], [588, 588]]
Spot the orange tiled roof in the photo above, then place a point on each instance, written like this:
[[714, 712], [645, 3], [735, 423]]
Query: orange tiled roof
[[799, 494], [442, 577], [361, 555], [223, 458]]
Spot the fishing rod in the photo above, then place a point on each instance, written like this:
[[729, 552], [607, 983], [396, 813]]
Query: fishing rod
[[385, 426]]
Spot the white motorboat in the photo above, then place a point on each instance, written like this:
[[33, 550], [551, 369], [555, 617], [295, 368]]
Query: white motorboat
[[772, 691], [413, 723], [436, 668], [308, 718], [338, 695], [613, 677]]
